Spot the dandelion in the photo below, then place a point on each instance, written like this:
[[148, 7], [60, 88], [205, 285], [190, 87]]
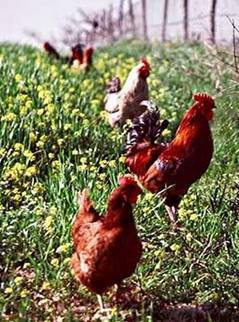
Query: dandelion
[[175, 248], [53, 210], [63, 248], [189, 237], [50, 108], [48, 223], [60, 142], [75, 152], [40, 144], [56, 164], [9, 117], [18, 146], [193, 217], [51, 155], [83, 160], [112, 163], [18, 280], [29, 155], [24, 293], [122, 159], [18, 78], [32, 137], [82, 167], [166, 132], [45, 286], [103, 163], [8, 290], [40, 111], [67, 126], [55, 262], [31, 171], [102, 176]]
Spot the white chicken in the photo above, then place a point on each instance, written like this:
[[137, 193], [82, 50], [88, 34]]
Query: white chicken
[[123, 104]]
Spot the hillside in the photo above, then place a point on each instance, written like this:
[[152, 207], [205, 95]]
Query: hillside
[[55, 140]]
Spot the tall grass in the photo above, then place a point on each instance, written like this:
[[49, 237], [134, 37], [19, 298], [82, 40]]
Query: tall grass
[[55, 140]]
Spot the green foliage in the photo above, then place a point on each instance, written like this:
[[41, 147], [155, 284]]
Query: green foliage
[[55, 140]]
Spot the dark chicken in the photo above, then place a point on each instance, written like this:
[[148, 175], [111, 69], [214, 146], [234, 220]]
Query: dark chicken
[[107, 248], [183, 161]]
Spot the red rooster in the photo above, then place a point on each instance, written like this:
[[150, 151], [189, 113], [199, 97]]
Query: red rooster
[[123, 104], [107, 248], [183, 161]]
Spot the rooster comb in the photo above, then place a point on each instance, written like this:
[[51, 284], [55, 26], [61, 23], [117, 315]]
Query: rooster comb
[[145, 62], [204, 98]]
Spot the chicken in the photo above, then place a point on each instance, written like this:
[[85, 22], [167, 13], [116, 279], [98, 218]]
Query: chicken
[[107, 248], [86, 62], [51, 51], [141, 148], [125, 103], [76, 54], [185, 159]]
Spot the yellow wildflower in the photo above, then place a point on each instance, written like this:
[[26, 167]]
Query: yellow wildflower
[[112, 164], [2, 151], [67, 126], [193, 217], [29, 155], [40, 144], [46, 286], [24, 293], [60, 142], [55, 262], [175, 247], [18, 78], [31, 171], [18, 280], [8, 290], [9, 117], [63, 248], [18, 146], [51, 155], [32, 137]]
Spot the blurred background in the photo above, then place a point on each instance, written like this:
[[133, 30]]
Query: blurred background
[[101, 22]]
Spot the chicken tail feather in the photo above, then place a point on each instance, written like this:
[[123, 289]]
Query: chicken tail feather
[[83, 199], [146, 128]]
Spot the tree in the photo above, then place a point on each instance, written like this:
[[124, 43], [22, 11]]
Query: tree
[[144, 14], [185, 19], [165, 18], [132, 19], [213, 21]]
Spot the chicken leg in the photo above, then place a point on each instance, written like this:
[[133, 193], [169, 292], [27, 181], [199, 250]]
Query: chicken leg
[[173, 213]]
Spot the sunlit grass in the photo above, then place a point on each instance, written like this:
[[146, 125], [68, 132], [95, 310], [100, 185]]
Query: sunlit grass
[[55, 140]]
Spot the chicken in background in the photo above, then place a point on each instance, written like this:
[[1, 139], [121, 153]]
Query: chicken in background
[[51, 51], [123, 104], [87, 60], [181, 162], [79, 59], [107, 248]]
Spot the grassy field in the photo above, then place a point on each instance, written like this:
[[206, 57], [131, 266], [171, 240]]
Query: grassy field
[[55, 140]]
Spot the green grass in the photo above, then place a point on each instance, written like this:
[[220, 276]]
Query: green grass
[[66, 144]]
